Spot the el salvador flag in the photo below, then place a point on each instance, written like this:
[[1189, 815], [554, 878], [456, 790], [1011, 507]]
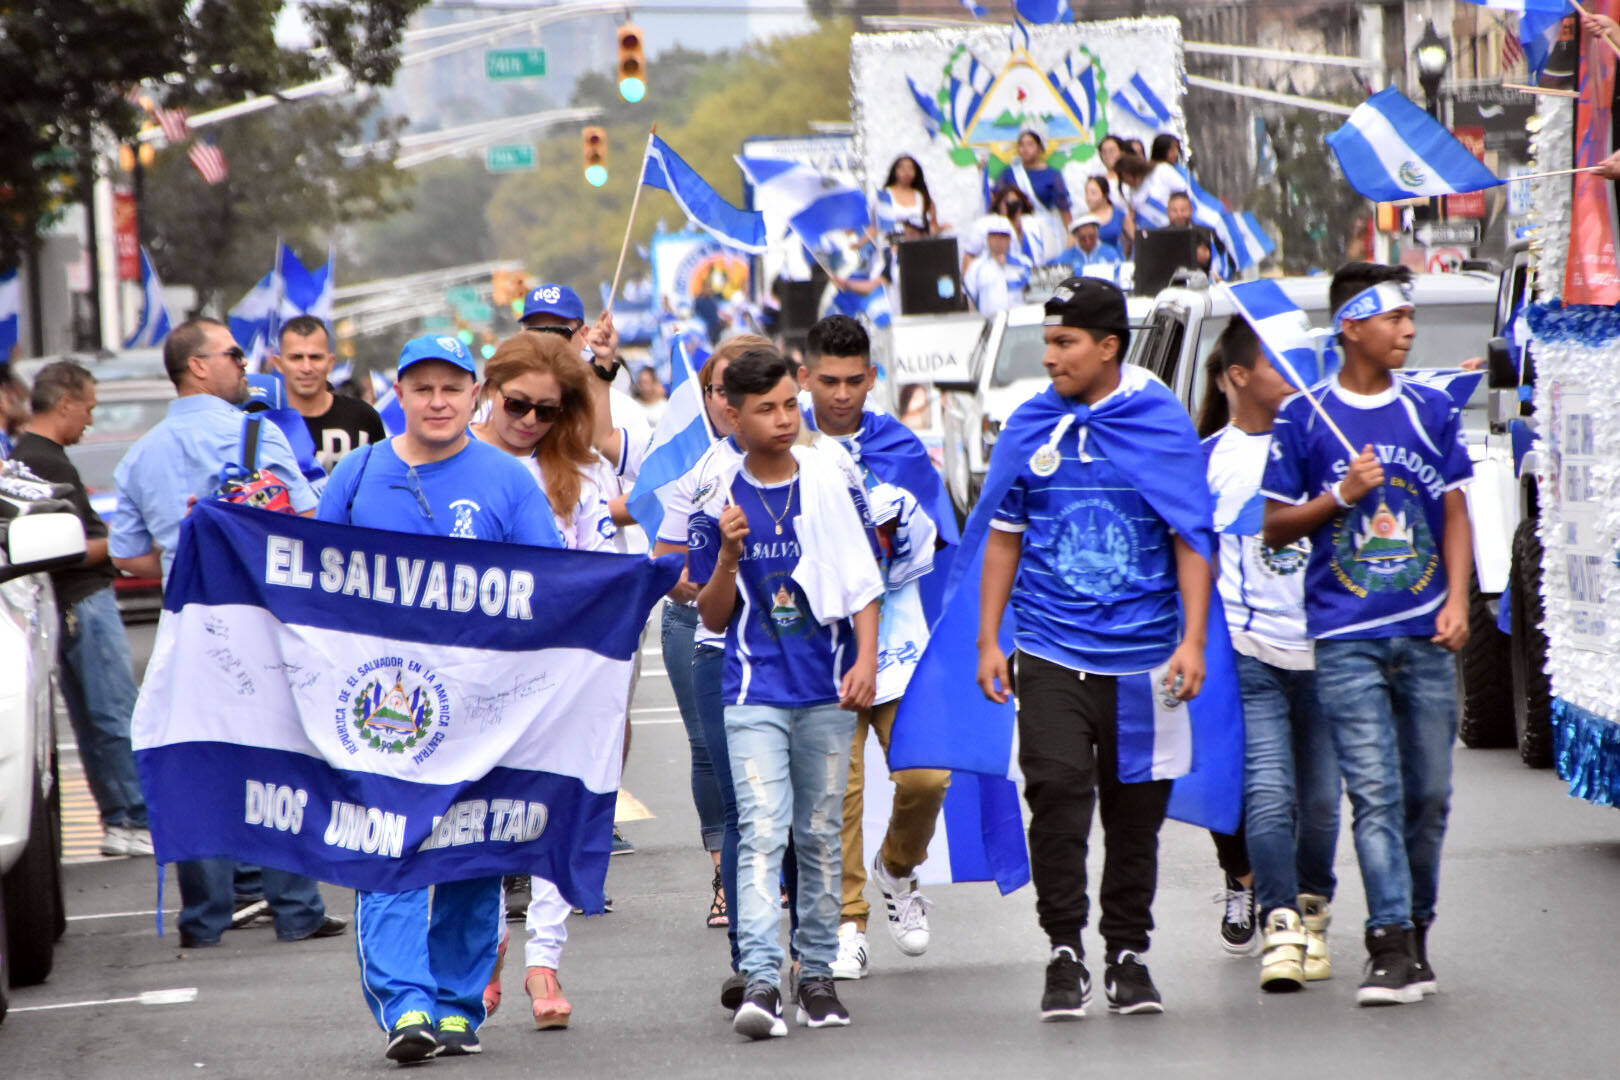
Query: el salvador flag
[[385, 712], [796, 197], [1138, 99], [1284, 330], [252, 318], [1391, 149], [387, 404], [305, 291], [154, 324], [945, 721], [682, 437], [1458, 384], [10, 312], [703, 206]]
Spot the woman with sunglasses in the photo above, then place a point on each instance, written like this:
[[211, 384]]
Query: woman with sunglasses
[[541, 413]]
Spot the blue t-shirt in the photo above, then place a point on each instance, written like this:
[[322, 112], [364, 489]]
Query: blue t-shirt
[[1096, 587], [480, 493], [777, 653], [1376, 570]]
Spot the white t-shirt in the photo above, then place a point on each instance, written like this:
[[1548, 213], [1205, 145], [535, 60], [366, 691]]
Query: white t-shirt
[[1262, 589], [588, 526], [995, 286]]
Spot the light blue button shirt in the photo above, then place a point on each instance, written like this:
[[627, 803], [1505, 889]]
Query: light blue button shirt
[[182, 457]]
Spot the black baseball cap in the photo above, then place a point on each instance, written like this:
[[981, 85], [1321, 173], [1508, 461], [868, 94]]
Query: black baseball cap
[[1088, 303]]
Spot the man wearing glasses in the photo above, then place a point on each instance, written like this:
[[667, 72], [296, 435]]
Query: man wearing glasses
[[176, 462], [424, 961]]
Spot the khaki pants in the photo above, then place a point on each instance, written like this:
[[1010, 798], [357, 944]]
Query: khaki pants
[[918, 795]]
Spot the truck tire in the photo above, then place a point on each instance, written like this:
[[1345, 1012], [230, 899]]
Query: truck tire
[[5, 962], [32, 892], [1532, 689], [1484, 680]]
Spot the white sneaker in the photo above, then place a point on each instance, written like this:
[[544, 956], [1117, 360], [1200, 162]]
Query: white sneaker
[[852, 961], [115, 841], [908, 909], [140, 840]]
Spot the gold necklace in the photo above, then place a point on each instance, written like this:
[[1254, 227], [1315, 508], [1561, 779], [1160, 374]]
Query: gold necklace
[[786, 507]]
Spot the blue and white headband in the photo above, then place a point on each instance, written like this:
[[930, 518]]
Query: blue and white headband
[[1374, 300]]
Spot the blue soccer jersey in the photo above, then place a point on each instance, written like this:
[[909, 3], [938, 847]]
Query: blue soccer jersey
[[1096, 585], [777, 653], [1376, 569]]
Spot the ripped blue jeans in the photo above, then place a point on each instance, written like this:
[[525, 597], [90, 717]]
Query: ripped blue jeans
[[789, 768]]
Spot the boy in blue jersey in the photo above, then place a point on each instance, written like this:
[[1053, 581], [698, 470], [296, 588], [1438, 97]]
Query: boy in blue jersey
[[1093, 573], [424, 965], [1386, 598], [780, 545]]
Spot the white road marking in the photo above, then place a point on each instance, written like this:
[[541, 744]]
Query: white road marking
[[147, 997], [120, 914]]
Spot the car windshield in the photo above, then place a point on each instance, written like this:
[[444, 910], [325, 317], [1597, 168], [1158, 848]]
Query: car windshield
[[1019, 357], [118, 424], [1447, 334]]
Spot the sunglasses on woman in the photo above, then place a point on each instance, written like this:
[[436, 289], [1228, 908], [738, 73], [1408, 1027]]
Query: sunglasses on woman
[[517, 409]]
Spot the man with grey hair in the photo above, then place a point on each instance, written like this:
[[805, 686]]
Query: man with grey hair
[[98, 678]]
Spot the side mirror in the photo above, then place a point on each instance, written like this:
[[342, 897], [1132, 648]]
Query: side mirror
[[42, 542], [1502, 371]]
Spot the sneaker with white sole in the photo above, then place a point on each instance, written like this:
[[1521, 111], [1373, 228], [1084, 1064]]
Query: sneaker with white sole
[[760, 1014], [139, 840], [1068, 986], [412, 1039], [1238, 930], [819, 1006], [1129, 987], [852, 961], [1316, 917], [907, 908], [1388, 978]]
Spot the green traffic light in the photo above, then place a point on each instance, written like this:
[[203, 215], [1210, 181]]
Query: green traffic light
[[488, 351], [466, 336], [632, 89], [517, 308], [596, 175]]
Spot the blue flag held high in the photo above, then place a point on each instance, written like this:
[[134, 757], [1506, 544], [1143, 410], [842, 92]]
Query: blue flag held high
[[1390, 149], [154, 324], [387, 712], [703, 206], [945, 721], [682, 437]]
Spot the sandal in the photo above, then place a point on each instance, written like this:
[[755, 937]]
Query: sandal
[[551, 1009], [492, 992], [718, 916]]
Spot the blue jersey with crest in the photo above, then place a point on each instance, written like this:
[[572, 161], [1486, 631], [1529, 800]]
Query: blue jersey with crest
[[1376, 570], [776, 652], [1096, 585]]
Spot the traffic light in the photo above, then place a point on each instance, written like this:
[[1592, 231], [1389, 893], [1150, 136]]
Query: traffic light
[[632, 64], [595, 156], [508, 285]]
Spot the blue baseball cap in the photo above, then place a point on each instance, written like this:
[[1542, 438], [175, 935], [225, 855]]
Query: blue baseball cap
[[437, 347], [558, 300], [266, 391]]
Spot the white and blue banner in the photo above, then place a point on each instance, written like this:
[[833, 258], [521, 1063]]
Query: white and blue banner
[[682, 437], [10, 312], [1390, 149], [1284, 331], [154, 324], [702, 205], [383, 711], [1137, 98]]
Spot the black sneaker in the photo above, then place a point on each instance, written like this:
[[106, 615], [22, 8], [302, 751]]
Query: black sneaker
[[1238, 930], [517, 896], [457, 1037], [1129, 986], [1422, 971], [1068, 986], [411, 1039], [1388, 979], [731, 991], [819, 1006], [760, 1014]]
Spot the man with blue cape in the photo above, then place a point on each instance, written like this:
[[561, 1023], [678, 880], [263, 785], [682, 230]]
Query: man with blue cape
[[1095, 524]]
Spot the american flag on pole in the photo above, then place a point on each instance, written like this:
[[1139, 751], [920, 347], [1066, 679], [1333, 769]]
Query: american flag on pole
[[209, 159], [173, 123]]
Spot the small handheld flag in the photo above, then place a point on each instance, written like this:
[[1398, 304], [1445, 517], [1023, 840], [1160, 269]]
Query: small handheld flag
[[1390, 149], [154, 324], [703, 206]]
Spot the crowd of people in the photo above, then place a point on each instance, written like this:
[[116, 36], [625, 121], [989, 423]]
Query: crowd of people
[[781, 672]]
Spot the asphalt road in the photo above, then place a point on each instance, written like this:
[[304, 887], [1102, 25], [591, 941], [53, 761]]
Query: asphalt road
[[1526, 950]]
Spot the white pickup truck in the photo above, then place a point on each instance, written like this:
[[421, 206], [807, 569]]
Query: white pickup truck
[[38, 532]]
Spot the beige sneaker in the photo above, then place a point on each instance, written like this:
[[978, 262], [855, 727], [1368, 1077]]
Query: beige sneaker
[[1282, 959], [1315, 917]]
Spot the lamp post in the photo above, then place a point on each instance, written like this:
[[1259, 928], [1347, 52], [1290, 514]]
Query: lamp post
[[1432, 56]]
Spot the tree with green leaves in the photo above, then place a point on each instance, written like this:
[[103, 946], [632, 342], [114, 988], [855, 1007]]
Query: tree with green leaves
[[68, 69], [1308, 200]]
